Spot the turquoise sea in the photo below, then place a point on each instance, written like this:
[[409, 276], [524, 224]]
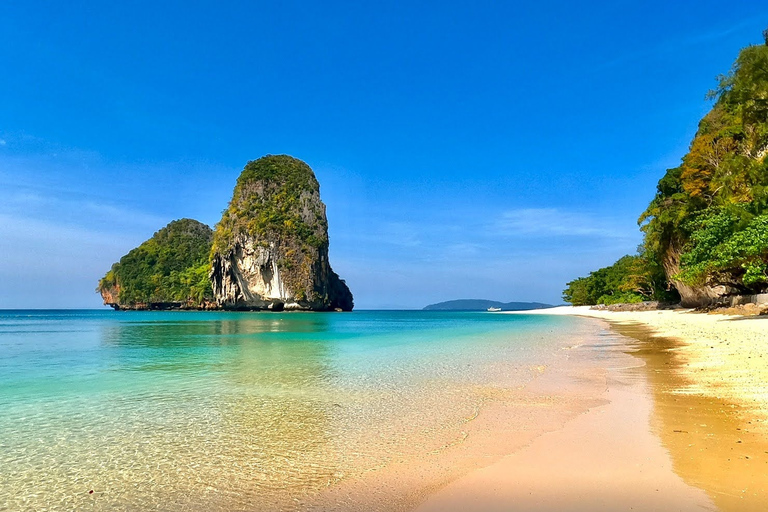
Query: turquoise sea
[[105, 410]]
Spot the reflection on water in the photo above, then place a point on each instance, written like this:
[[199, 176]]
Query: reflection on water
[[224, 413], [237, 411], [711, 442]]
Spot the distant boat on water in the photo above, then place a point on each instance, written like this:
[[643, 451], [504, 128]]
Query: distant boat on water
[[493, 310]]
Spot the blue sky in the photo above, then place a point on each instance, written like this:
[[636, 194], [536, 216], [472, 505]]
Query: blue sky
[[464, 149]]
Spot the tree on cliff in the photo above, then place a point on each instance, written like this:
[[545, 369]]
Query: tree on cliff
[[708, 220], [707, 226]]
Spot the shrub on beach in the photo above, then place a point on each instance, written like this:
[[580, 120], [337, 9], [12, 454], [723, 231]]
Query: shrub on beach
[[631, 279]]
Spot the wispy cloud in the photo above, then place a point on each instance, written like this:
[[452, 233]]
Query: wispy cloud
[[84, 212], [549, 222], [46, 263], [404, 234], [674, 45], [58, 234]]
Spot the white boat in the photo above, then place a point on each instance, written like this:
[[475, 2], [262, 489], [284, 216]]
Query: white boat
[[493, 310]]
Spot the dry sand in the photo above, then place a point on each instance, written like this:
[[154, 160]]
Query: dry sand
[[685, 430]]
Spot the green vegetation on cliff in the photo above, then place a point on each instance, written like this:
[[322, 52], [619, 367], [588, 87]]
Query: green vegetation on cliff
[[711, 211], [269, 200], [276, 221], [172, 266], [708, 223], [269, 251]]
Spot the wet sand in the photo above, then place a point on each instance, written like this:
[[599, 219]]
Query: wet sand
[[686, 431], [720, 356], [715, 444], [603, 428], [608, 459], [572, 382]]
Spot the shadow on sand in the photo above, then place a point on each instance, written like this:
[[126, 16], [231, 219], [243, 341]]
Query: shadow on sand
[[712, 442]]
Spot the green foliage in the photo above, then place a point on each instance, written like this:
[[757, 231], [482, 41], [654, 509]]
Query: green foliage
[[708, 212], [172, 266], [726, 248], [631, 279], [269, 201], [109, 280], [621, 298]]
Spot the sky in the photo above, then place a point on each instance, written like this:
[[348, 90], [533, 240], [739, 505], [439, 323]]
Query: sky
[[470, 149]]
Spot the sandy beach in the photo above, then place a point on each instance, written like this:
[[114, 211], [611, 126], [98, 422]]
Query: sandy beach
[[720, 356], [684, 429]]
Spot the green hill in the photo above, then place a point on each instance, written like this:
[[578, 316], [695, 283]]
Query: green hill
[[168, 270]]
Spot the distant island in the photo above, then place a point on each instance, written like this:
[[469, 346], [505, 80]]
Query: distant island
[[269, 251], [483, 305]]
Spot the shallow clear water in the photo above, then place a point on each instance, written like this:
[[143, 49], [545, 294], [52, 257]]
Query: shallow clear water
[[239, 411]]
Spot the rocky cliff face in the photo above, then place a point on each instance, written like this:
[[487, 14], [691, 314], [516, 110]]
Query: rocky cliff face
[[691, 296], [270, 249], [110, 294]]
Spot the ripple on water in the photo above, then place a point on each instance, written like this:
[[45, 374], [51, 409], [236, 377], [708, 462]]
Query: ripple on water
[[240, 411]]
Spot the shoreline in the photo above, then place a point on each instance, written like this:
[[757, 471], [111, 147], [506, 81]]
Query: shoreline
[[579, 437], [567, 383], [722, 356], [535, 413], [704, 432]]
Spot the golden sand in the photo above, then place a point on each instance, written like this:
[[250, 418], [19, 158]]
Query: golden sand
[[706, 380], [720, 356], [713, 442], [607, 459], [665, 413], [507, 421]]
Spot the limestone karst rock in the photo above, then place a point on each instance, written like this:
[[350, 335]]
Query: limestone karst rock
[[270, 249]]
